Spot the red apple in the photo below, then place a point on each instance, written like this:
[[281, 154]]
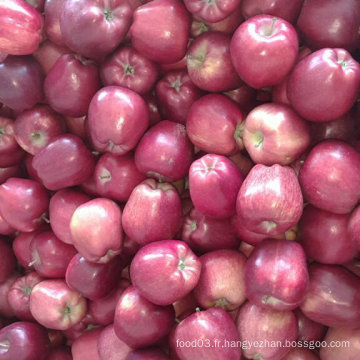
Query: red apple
[[85, 346], [7, 264], [171, 265], [185, 306], [52, 11], [54, 305], [9, 172], [300, 354], [354, 229], [242, 161], [6, 310], [77, 126], [5, 228], [309, 330], [60, 353], [97, 219]]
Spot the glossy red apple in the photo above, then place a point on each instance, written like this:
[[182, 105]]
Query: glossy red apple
[[214, 124], [209, 62], [153, 212], [64, 162], [7, 265], [270, 199], [94, 28], [21, 82], [211, 332], [128, 68], [140, 323], [275, 134], [52, 11], [309, 330], [264, 50], [23, 341], [23, 203], [19, 295], [330, 177], [71, 84], [160, 30], [20, 28], [257, 325], [54, 305], [164, 152], [85, 346], [97, 219], [171, 265], [117, 119], [222, 280], [61, 208], [214, 184], [333, 297], [320, 76]]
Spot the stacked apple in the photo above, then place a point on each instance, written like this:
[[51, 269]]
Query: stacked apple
[[179, 178]]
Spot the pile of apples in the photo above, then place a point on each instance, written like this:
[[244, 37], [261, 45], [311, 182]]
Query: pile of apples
[[179, 179]]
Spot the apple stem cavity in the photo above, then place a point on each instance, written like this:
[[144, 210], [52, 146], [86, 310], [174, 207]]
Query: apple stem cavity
[[268, 225], [129, 70], [269, 30], [109, 16], [181, 265], [258, 139], [177, 84]]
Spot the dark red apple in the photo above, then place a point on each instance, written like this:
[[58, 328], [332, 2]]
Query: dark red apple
[[171, 265], [264, 50], [242, 161], [60, 353], [7, 264], [52, 11], [9, 172], [77, 126], [309, 330], [300, 354], [270, 199], [85, 346], [54, 305], [185, 306], [6, 310]]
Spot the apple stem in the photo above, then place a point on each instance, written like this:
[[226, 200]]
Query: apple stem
[[5, 345], [45, 218], [31, 263]]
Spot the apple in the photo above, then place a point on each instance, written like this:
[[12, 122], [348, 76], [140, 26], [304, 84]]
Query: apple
[[23, 340], [242, 161], [60, 353], [54, 305], [23, 203], [321, 76], [222, 280], [94, 28], [330, 177], [9, 172], [153, 212], [206, 335], [209, 62], [167, 41], [7, 265], [214, 124], [85, 346], [117, 118], [185, 306], [84, 325], [300, 354], [152, 353], [171, 265], [276, 275], [5, 228], [275, 134], [164, 152], [244, 96], [214, 182], [6, 310], [52, 12], [333, 297], [264, 50], [20, 28], [256, 325], [96, 219], [354, 229], [77, 126], [56, 338], [309, 330]]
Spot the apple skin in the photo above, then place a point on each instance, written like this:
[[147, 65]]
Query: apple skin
[[117, 118], [275, 134], [214, 182], [19, 295], [152, 353], [6, 310], [10, 152], [204, 233], [54, 305], [316, 24], [222, 280], [164, 152], [24, 340], [258, 49], [276, 275], [20, 26], [214, 123], [23, 203], [21, 82], [300, 354], [64, 162], [258, 324], [211, 329], [209, 62], [175, 93], [60, 353], [270, 200], [61, 208], [325, 236], [128, 68], [49, 255], [37, 127], [94, 28], [170, 264], [7, 265], [9, 172], [333, 297], [185, 306], [160, 30], [153, 212], [5, 228], [92, 280], [309, 330], [52, 12], [330, 177], [284, 9], [77, 126], [116, 176], [320, 76], [354, 228], [97, 219], [85, 346]]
